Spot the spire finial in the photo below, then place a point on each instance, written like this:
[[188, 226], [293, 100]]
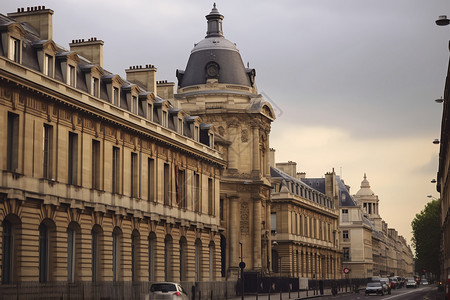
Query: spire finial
[[214, 5]]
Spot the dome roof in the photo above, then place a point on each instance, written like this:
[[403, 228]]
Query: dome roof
[[365, 188], [215, 57]]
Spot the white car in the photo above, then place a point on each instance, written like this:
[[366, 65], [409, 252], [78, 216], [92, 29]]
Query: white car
[[424, 282], [166, 291], [411, 283]]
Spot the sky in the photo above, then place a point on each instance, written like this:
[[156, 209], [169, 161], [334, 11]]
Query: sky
[[352, 82]]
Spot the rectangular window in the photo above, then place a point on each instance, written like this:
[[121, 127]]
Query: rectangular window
[[149, 112], [14, 50], [196, 133], [210, 197], [166, 184], [197, 198], [48, 151], [71, 76], [116, 170], [180, 126], [221, 203], [151, 179], [73, 158], [346, 253], [13, 142], [345, 215], [48, 65], [164, 119], [95, 164], [345, 234], [95, 87], [273, 222], [134, 175], [134, 105], [329, 232], [116, 96], [181, 188]]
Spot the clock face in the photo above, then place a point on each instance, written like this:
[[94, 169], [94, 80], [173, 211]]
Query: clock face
[[212, 70]]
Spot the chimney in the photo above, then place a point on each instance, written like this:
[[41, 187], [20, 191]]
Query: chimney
[[272, 157], [300, 175], [38, 17], [92, 49], [289, 168], [143, 76], [165, 89]]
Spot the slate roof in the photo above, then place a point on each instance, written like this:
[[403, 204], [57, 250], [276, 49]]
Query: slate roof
[[345, 199]]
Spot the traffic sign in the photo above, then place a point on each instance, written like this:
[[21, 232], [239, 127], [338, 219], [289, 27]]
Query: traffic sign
[[346, 270]]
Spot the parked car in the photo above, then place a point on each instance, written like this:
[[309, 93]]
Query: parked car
[[376, 287], [424, 282], [411, 283], [166, 291]]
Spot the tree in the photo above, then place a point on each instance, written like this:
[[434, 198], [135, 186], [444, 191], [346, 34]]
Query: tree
[[426, 238]]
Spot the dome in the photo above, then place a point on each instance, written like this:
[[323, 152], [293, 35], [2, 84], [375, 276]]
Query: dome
[[215, 57], [365, 188]]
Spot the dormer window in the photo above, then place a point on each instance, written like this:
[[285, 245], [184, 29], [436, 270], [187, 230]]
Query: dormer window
[[134, 105], [116, 95], [150, 112], [48, 65], [95, 87], [165, 119], [196, 132], [71, 76], [14, 49], [180, 126]]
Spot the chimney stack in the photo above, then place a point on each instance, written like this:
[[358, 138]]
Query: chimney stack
[[143, 76], [289, 168], [92, 49], [272, 157], [38, 17], [165, 89]]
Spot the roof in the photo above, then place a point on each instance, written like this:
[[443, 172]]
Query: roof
[[215, 57], [345, 199]]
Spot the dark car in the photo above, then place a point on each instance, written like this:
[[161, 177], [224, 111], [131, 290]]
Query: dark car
[[376, 288]]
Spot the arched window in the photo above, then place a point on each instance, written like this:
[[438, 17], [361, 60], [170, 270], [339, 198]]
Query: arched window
[[135, 249], [198, 260], [151, 256], [116, 253], [168, 257]]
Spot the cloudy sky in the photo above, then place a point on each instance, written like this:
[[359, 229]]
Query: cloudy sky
[[353, 81]]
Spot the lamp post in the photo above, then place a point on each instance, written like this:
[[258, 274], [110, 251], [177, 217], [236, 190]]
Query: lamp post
[[431, 196], [242, 266]]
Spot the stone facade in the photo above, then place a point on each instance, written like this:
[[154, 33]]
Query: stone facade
[[101, 179], [304, 227], [442, 186]]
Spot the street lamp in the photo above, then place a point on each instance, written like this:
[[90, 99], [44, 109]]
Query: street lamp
[[442, 21], [430, 196], [436, 141], [433, 180], [440, 100], [242, 266]]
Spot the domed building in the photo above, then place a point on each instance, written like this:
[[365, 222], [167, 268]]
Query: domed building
[[368, 202], [216, 87]]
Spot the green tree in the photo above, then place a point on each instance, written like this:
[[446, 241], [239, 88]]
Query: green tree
[[426, 238]]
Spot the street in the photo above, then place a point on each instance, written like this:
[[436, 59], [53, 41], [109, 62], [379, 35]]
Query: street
[[423, 293]]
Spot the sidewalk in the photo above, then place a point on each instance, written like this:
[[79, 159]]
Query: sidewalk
[[285, 296]]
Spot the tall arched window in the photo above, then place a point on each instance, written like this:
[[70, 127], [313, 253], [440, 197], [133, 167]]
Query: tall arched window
[[151, 256], [168, 258], [198, 260], [135, 246], [183, 260], [116, 253]]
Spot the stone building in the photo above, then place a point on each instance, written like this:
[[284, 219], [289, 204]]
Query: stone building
[[304, 226], [442, 186], [103, 183], [369, 247], [217, 87]]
